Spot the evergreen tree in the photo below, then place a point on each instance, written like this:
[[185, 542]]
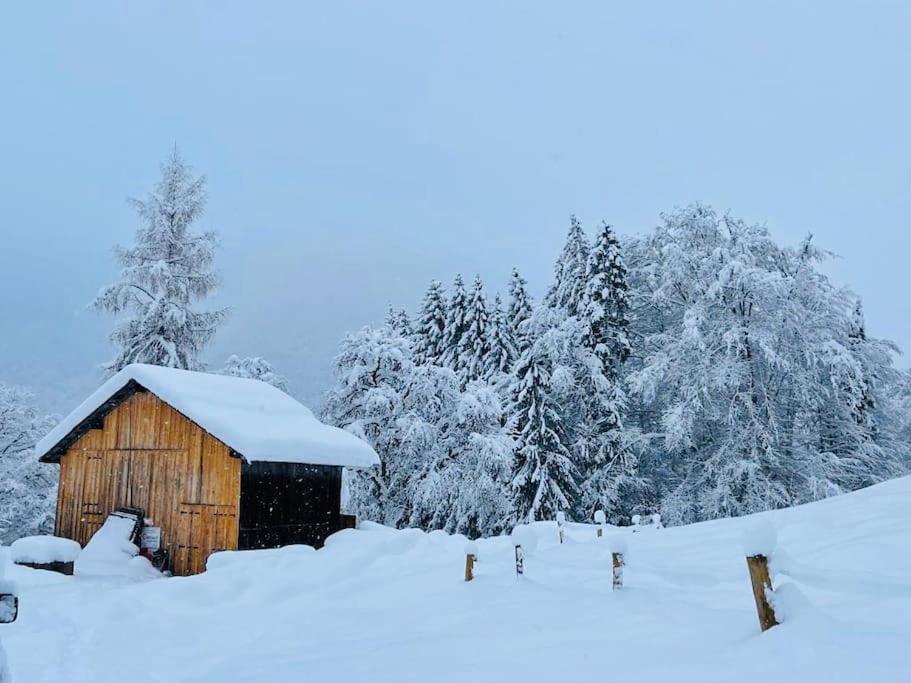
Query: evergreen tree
[[544, 477], [456, 325], [163, 276], [611, 469], [503, 353], [605, 311], [254, 368], [398, 321], [570, 271], [474, 346], [519, 311], [429, 337]]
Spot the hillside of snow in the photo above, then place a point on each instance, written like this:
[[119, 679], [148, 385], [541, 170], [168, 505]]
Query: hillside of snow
[[391, 606]]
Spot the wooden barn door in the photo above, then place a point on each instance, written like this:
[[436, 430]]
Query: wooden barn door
[[202, 530], [92, 509]]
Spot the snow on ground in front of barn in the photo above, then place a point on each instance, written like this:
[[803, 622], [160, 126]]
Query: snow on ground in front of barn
[[391, 606]]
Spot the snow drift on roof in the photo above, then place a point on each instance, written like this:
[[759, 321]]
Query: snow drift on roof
[[255, 419]]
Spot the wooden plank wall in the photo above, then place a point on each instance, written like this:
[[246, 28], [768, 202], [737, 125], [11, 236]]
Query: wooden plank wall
[[150, 456]]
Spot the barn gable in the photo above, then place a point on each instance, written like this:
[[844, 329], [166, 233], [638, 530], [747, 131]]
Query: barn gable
[[144, 454]]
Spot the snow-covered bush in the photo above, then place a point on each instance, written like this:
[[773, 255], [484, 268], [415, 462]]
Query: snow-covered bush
[[254, 368]]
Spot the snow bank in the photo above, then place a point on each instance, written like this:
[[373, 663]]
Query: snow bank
[[44, 549], [254, 418], [387, 606]]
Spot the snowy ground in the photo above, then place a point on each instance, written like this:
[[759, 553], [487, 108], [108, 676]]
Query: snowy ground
[[382, 605]]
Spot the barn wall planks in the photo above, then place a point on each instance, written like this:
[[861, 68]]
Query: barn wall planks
[[150, 456]]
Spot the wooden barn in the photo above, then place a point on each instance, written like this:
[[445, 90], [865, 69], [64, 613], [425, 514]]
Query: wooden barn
[[214, 462]]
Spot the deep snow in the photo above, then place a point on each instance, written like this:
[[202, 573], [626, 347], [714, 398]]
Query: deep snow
[[381, 605]]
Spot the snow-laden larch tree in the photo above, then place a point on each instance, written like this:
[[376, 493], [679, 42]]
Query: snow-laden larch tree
[[163, 278]]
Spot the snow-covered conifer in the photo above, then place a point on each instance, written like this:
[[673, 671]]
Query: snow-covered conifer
[[570, 271], [519, 311], [474, 346], [503, 353], [398, 321], [429, 334], [544, 477], [163, 276], [456, 325], [610, 468]]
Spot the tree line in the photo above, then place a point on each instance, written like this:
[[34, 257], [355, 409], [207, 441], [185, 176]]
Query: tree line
[[701, 370]]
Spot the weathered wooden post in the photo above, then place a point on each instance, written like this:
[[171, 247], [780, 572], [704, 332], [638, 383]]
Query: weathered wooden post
[[762, 586], [561, 522], [618, 551], [759, 544], [471, 556], [600, 519], [520, 561]]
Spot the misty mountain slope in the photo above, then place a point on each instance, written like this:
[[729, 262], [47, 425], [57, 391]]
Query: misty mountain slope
[[384, 605]]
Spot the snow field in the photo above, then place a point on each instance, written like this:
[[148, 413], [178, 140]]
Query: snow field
[[382, 605]]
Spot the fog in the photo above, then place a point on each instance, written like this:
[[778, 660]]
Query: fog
[[355, 151]]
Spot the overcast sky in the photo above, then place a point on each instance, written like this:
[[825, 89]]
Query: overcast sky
[[354, 151]]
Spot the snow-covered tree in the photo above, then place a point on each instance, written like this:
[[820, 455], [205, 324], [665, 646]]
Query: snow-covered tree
[[519, 311], [28, 488], [611, 475], [398, 320], [456, 325], [545, 480], [373, 370], [570, 271], [747, 358], [163, 277], [503, 352], [430, 329], [462, 452], [474, 345], [254, 367]]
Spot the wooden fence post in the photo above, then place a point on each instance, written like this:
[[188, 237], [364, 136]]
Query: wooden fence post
[[561, 521], [759, 577], [600, 518], [470, 559], [618, 570], [520, 561]]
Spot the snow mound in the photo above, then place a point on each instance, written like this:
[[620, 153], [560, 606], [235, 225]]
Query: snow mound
[[44, 549], [110, 553], [759, 538]]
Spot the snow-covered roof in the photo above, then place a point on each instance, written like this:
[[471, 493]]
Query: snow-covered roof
[[255, 419]]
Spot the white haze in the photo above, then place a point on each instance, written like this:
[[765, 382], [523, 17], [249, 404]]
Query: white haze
[[356, 151]]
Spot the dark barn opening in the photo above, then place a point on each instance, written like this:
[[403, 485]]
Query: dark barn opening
[[288, 503]]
